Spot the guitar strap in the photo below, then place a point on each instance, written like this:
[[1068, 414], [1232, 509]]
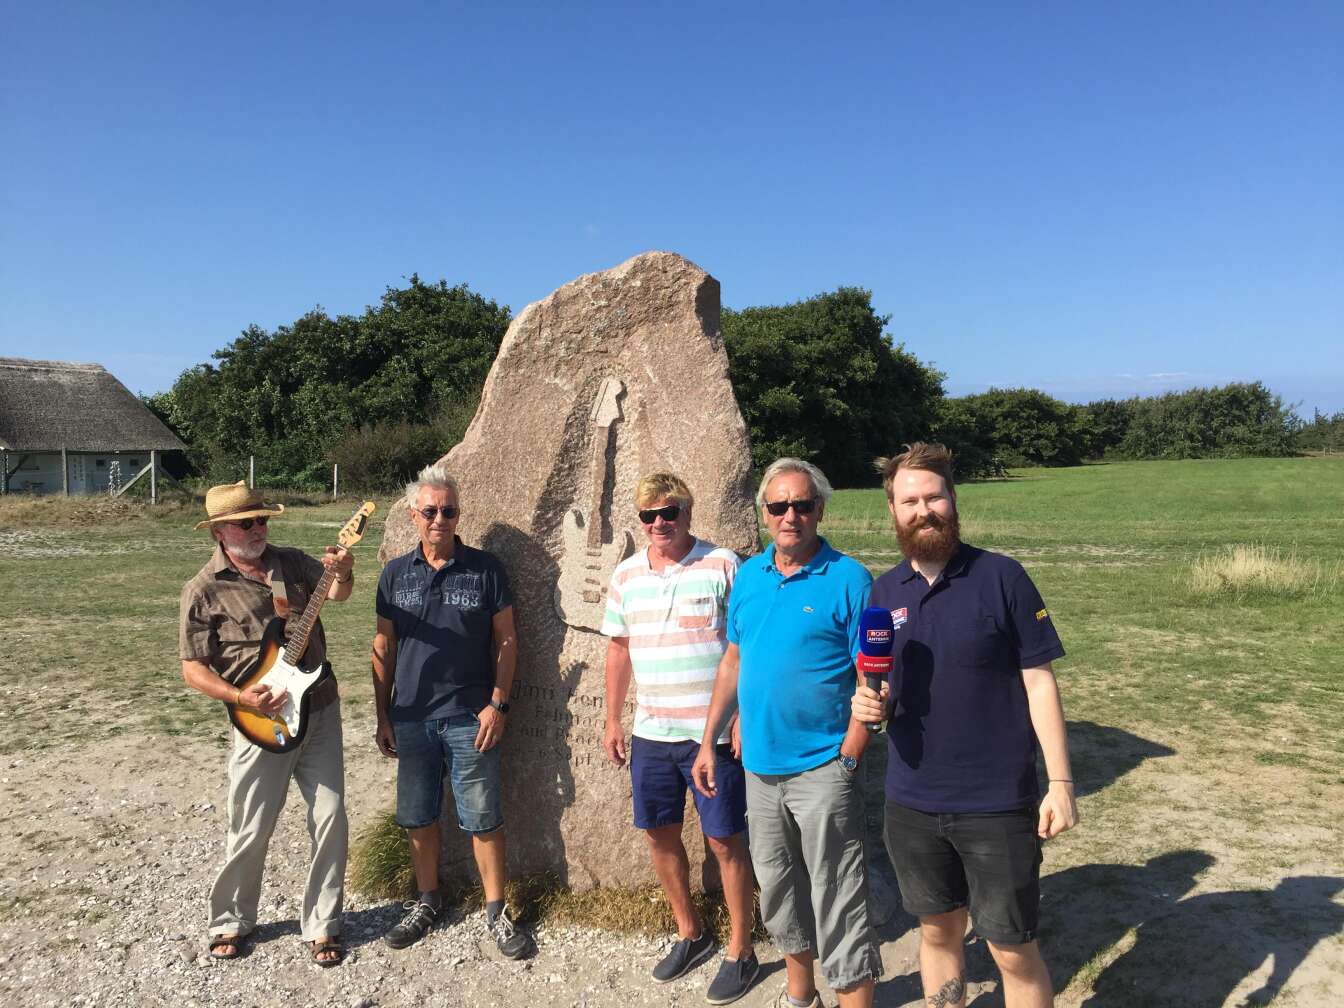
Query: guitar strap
[[279, 597]]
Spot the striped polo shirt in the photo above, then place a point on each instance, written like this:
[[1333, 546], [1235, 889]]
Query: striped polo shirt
[[676, 621]]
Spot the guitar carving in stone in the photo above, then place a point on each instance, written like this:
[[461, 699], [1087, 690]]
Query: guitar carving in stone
[[587, 562]]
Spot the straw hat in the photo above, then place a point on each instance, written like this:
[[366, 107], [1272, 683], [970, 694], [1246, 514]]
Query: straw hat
[[233, 502]]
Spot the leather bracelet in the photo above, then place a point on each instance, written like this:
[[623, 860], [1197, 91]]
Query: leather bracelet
[[1061, 780]]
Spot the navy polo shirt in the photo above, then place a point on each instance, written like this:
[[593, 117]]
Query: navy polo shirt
[[960, 730], [443, 620]]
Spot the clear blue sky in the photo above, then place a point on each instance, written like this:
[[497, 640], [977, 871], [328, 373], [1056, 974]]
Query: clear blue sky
[[1093, 199]]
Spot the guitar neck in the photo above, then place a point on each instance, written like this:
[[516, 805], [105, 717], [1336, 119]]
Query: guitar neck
[[598, 466], [300, 631]]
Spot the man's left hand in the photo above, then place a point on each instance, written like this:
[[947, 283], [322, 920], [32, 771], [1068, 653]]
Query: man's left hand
[[1058, 810], [491, 730], [340, 560], [735, 737]]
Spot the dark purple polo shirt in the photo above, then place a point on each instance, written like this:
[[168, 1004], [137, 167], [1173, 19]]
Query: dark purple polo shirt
[[960, 731]]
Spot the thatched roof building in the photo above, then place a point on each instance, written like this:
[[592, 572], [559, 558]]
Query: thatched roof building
[[49, 405]]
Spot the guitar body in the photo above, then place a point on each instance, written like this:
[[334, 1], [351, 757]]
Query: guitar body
[[284, 730], [581, 590]]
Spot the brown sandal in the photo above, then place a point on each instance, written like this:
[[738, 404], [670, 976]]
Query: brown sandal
[[220, 941], [324, 946]]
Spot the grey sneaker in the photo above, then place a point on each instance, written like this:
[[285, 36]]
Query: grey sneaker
[[686, 954], [783, 1000], [734, 979], [511, 940], [414, 926]]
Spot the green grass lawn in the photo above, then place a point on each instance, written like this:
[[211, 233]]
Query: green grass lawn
[[1112, 547], [1205, 726], [89, 598], [90, 595]]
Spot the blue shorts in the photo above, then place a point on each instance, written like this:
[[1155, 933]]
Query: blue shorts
[[425, 749], [661, 772]]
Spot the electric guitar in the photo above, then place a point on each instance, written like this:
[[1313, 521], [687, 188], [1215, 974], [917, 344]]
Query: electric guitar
[[280, 663], [587, 563]]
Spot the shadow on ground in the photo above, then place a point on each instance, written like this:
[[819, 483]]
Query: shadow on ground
[[1179, 949], [1101, 755], [1186, 950], [1202, 949]]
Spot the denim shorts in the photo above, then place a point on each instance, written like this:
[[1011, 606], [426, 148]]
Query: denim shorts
[[425, 750], [989, 861], [660, 772]]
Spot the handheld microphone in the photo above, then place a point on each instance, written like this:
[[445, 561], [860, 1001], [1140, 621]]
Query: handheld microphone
[[876, 635]]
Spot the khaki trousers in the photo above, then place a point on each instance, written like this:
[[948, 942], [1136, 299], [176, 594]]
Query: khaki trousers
[[258, 785]]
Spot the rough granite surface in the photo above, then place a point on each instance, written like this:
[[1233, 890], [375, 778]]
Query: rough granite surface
[[613, 376]]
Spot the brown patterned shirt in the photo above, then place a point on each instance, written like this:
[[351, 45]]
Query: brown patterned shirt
[[224, 613]]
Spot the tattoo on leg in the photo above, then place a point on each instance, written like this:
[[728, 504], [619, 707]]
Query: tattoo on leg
[[949, 993]]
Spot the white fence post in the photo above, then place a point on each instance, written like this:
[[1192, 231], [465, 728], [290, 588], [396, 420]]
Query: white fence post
[[335, 480], [251, 472]]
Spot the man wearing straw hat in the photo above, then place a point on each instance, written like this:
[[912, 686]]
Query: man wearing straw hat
[[224, 610]]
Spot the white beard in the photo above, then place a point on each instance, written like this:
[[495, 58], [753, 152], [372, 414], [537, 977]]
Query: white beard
[[248, 553]]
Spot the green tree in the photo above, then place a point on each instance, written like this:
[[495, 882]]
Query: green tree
[[821, 380], [1103, 424], [1325, 433], [1241, 419], [969, 433], [291, 396], [1014, 427]]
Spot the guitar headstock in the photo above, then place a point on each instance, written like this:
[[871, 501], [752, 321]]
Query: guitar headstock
[[607, 406], [353, 530]]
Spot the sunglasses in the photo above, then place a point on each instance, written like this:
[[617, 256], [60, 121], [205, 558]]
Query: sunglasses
[[449, 512], [668, 513], [246, 523], [780, 508]]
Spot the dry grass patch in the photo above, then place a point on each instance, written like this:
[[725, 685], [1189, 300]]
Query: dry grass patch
[[58, 511], [380, 860], [1241, 570], [380, 867]]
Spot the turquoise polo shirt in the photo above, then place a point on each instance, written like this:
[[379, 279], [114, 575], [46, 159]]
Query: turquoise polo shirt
[[798, 636]]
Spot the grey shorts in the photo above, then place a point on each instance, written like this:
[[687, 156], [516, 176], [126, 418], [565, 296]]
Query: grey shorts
[[806, 833]]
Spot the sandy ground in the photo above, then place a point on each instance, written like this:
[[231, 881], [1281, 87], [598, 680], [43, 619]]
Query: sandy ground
[[107, 853]]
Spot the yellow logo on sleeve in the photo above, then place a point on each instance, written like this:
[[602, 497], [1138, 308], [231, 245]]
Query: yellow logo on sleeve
[[1042, 615]]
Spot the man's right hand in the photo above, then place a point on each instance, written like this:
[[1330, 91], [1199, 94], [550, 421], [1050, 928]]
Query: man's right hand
[[702, 771], [262, 699], [613, 742], [869, 706], [386, 738]]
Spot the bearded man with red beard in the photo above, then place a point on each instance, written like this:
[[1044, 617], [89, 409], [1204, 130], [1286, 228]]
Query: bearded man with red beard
[[972, 695]]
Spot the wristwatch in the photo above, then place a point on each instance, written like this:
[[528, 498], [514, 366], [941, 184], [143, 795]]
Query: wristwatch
[[503, 707], [850, 763]]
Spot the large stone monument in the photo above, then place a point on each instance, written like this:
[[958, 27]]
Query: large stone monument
[[614, 376]]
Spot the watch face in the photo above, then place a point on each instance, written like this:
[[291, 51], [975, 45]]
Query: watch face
[[849, 762]]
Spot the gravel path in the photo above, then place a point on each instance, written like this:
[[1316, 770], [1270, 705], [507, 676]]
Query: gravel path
[[106, 860]]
